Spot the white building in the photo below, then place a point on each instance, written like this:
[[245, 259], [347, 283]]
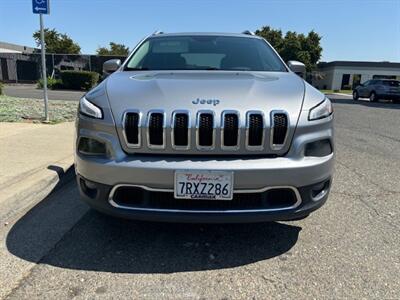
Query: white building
[[341, 75]]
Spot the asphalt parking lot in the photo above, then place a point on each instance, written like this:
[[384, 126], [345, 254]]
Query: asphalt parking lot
[[347, 249]]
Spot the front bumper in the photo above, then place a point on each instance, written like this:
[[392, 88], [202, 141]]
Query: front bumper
[[99, 199], [157, 173]]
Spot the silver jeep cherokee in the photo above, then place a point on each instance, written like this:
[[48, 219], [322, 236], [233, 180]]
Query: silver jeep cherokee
[[204, 127]]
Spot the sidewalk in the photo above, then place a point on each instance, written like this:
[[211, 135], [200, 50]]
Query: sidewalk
[[32, 157]]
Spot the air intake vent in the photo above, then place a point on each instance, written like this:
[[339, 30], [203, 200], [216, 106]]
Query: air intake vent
[[156, 129], [279, 128], [132, 128], [230, 129], [255, 130], [181, 130], [206, 130]]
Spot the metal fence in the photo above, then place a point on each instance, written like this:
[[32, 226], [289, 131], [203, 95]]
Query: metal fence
[[26, 68]]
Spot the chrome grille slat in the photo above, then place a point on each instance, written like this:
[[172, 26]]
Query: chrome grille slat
[[255, 130], [156, 129], [180, 130], [230, 130], [205, 130], [279, 129], [131, 128]]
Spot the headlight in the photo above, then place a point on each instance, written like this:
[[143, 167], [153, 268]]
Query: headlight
[[87, 108], [320, 111]]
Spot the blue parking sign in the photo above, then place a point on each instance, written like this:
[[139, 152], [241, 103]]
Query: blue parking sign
[[41, 6]]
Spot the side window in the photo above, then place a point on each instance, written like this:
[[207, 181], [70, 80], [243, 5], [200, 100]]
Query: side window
[[367, 83]]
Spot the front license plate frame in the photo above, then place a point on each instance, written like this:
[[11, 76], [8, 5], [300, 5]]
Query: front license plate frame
[[203, 185]]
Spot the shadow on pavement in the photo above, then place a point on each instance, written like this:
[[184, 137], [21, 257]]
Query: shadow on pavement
[[381, 104], [101, 243]]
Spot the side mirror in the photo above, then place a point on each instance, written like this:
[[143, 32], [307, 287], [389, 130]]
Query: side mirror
[[111, 66], [297, 67]]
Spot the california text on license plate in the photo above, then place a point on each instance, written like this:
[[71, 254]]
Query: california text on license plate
[[206, 185]]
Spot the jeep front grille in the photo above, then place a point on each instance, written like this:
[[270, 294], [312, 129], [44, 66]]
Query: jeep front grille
[[228, 131]]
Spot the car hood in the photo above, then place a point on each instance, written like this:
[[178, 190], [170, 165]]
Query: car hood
[[224, 90]]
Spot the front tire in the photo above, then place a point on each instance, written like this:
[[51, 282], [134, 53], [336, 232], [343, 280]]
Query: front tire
[[372, 97], [355, 95]]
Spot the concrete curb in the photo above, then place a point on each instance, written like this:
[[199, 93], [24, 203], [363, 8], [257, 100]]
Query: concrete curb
[[25, 191], [340, 94]]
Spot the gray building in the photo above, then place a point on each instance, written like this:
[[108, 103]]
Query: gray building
[[341, 75], [20, 64]]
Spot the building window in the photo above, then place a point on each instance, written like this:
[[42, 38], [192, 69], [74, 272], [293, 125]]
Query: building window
[[345, 82]]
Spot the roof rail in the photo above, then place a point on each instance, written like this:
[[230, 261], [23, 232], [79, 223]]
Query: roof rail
[[157, 32], [248, 32]]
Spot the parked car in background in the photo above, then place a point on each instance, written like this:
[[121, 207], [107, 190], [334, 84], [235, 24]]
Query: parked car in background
[[376, 89]]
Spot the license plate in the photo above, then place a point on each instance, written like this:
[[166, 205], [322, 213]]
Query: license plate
[[205, 185]]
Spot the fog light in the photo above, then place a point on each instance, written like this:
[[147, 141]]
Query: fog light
[[319, 190], [88, 188], [90, 146], [318, 148]]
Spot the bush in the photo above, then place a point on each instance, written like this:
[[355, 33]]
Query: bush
[[52, 83], [1, 88], [79, 80]]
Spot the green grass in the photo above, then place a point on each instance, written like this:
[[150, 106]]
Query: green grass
[[32, 110], [336, 91]]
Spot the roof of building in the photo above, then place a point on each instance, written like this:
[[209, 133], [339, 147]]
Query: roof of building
[[362, 64], [14, 48]]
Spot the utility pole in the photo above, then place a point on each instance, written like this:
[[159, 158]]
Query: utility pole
[[41, 7], [46, 100]]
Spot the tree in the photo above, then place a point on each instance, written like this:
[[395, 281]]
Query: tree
[[115, 49], [294, 46], [273, 36], [56, 42]]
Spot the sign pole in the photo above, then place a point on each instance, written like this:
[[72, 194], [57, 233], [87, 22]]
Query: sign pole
[[46, 100]]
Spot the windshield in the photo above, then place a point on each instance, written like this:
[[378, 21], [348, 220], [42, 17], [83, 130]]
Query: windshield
[[205, 53]]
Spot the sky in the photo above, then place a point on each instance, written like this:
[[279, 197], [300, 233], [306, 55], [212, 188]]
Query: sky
[[362, 30]]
